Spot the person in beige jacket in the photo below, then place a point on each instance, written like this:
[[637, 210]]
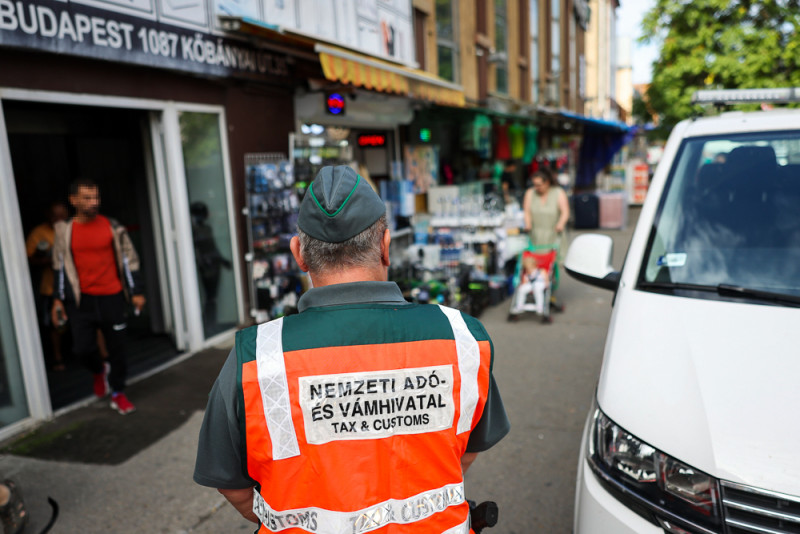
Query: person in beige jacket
[[97, 273]]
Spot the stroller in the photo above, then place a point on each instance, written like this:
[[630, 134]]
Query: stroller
[[535, 280]]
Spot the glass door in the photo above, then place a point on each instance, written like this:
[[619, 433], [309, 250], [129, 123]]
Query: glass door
[[13, 402], [23, 384], [210, 211], [167, 241]]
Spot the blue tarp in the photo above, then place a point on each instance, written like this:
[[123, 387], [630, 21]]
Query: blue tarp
[[601, 141]]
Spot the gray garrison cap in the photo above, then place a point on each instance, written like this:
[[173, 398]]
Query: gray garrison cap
[[339, 205]]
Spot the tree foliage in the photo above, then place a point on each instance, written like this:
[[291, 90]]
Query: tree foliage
[[719, 44]]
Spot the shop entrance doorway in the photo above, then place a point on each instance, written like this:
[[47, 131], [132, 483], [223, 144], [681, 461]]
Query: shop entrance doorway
[[51, 145]]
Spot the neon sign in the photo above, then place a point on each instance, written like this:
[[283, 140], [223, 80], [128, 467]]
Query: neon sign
[[335, 104], [365, 140]]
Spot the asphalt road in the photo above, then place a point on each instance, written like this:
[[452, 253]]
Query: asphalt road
[[547, 376]]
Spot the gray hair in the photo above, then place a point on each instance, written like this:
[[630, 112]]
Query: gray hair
[[361, 250]]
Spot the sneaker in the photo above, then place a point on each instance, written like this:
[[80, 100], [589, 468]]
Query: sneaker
[[101, 382], [121, 403]]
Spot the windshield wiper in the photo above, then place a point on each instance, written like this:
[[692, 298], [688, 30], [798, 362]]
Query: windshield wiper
[[759, 294], [726, 290], [676, 285]]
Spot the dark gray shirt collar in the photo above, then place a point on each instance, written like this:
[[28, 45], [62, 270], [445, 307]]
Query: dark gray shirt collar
[[351, 293]]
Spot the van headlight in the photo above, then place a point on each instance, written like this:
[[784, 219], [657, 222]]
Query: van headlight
[[675, 496]]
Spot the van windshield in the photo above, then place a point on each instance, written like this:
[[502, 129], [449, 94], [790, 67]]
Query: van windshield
[[730, 216]]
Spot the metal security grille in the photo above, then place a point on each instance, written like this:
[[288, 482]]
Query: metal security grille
[[749, 510]]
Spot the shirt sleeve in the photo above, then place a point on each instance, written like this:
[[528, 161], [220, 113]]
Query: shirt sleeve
[[32, 241], [493, 424], [219, 462]]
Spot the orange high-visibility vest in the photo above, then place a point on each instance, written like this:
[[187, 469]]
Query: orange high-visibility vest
[[362, 438]]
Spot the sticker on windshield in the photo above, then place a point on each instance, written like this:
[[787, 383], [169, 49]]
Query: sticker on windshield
[[673, 259]]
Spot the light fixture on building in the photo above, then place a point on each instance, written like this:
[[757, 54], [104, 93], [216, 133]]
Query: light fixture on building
[[337, 133]]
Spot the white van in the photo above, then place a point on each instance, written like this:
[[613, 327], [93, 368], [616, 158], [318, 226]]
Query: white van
[[696, 424]]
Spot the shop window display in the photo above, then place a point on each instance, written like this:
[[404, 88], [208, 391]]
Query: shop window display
[[273, 203], [208, 207]]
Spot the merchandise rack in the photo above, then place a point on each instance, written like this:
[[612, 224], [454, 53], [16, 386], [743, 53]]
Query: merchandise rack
[[271, 210]]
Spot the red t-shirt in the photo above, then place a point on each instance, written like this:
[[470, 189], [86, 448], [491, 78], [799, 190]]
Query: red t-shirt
[[93, 253]]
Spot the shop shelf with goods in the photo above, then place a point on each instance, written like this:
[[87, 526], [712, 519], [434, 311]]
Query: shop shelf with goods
[[316, 146], [477, 220], [273, 200], [459, 245]]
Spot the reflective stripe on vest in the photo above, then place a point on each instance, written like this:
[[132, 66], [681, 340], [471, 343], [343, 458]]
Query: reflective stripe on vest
[[275, 390], [401, 512], [469, 363]]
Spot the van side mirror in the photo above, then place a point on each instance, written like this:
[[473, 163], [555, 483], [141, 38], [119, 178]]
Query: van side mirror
[[589, 260]]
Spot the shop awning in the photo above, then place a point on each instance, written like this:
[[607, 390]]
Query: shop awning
[[601, 140], [599, 126], [360, 70], [270, 35]]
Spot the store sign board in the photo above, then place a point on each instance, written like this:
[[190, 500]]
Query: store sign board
[[100, 33], [382, 28]]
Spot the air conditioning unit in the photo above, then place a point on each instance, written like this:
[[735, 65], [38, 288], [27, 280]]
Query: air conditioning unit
[[551, 91], [498, 57]]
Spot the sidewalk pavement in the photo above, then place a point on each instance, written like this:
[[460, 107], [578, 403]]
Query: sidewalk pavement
[[126, 474]]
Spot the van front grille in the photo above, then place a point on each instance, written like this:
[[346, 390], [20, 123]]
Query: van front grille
[[752, 510]]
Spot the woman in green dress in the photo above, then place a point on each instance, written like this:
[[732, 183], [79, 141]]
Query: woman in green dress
[[546, 210]]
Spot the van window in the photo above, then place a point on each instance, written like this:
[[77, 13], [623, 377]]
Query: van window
[[730, 215]]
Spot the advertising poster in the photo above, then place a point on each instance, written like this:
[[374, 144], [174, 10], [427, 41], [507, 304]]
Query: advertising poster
[[422, 166], [237, 8], [317, 17], [280, 12], [395, 35], [141, 8], [191, 12], [640, 182], [367, 9]]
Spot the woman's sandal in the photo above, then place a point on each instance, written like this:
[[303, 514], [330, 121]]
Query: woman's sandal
[[13, 513]]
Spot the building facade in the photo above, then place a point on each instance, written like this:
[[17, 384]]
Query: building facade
[[601, 61], [167, 106]]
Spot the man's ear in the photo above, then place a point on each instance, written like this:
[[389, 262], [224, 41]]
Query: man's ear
[[294, 245], [385, 242]]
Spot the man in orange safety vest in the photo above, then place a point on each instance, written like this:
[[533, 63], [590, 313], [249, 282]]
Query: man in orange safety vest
[[362, 412]]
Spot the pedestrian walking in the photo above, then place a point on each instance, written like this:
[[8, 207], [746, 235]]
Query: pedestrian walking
[[362, 412], [97, 272], [39, 247]]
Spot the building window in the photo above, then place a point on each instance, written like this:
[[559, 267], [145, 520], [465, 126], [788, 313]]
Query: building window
[[501, 46], [533, 17], [555, 52], [573, 62], [446, 49], [419, 38]]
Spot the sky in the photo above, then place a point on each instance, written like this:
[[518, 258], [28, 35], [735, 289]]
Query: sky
[[629, 26]]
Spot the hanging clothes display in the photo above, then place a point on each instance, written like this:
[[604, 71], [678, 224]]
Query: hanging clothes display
[[482, 136], [516, 136], [531, 143], [502, 144]]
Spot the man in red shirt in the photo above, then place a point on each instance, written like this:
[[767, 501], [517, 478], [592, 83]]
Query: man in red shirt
[[97, 268]]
